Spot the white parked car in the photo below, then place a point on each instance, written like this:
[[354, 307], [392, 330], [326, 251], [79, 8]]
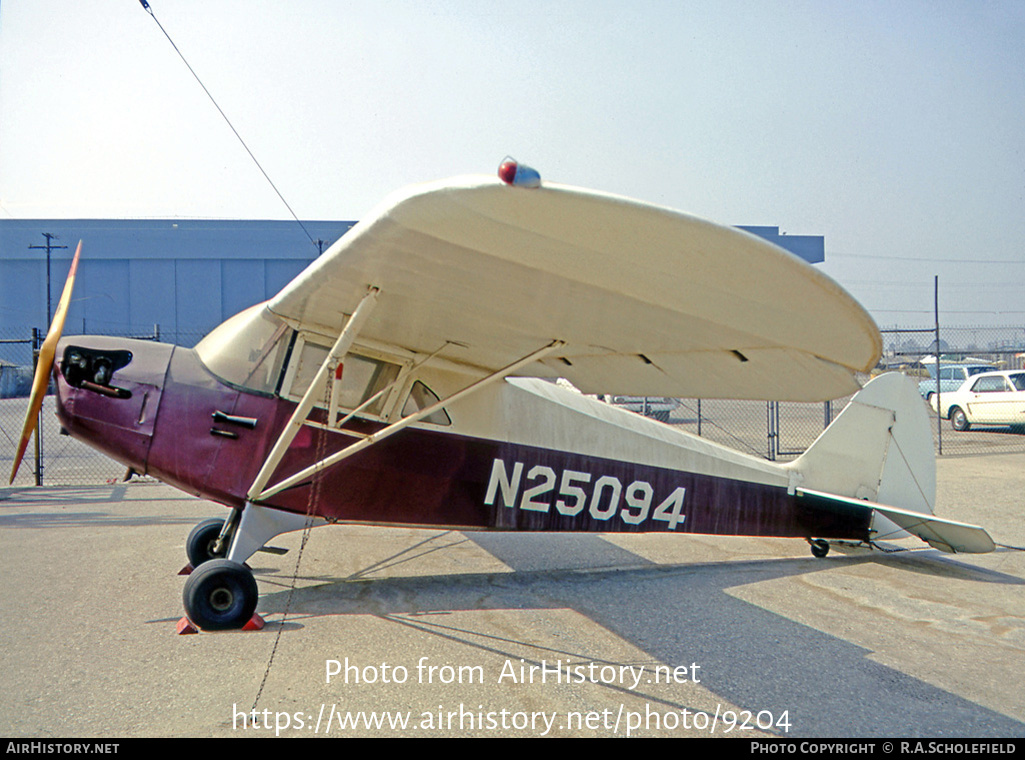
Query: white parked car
[[951, 378], [989, 398]]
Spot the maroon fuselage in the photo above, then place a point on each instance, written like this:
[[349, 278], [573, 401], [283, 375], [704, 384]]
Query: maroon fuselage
[[168, 427]]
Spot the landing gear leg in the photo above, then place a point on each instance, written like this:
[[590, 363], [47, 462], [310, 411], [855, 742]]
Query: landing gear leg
[[221, 593]]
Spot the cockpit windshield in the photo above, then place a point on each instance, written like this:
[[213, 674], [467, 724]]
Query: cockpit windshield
[[251, 351], [248, 349]]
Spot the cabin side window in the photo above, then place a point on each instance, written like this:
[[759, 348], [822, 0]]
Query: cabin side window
[[362, 377], [421, 397]]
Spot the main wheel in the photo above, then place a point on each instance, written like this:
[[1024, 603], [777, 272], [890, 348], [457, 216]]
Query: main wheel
[[220, 595], [958, 419], [200, 544]]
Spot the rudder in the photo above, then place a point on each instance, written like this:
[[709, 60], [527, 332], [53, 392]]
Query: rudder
[[879, 448]]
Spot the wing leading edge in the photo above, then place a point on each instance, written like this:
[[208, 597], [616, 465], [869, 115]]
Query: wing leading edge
[[648, 301]]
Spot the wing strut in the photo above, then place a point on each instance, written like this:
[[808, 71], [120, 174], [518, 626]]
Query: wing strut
[[340, 348], [258, 493]]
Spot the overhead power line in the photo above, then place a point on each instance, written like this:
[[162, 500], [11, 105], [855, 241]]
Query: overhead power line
[[834, 255], [149, 10]]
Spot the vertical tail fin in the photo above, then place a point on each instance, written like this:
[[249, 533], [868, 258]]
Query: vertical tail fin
[[879, 448]]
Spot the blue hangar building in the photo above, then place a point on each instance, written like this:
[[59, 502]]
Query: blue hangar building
[[175, 278], [179, 278]]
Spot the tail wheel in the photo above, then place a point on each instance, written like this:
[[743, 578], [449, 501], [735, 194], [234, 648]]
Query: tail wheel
[[819, 547], [220, 595]]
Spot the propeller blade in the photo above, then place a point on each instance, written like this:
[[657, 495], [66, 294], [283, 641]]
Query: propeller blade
[[44, 363]]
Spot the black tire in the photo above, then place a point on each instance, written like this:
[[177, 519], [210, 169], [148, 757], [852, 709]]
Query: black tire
[[959, 420], [199, 547], [220, 595], [819, 547]]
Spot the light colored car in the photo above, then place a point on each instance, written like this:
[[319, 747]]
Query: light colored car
[[989, 398], [952, 377], [657, 407]]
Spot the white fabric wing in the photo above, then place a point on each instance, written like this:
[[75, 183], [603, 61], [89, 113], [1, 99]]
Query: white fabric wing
[[649, 301]]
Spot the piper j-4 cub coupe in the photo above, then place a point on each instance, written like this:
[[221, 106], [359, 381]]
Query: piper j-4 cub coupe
[[406, 378]]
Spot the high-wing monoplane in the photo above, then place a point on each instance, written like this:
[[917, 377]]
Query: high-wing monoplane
[[405, 378]]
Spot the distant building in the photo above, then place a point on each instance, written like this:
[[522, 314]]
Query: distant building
[[177, 277], [811, 248], [180, 277]]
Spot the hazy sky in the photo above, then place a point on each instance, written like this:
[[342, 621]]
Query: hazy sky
[[892, 128]]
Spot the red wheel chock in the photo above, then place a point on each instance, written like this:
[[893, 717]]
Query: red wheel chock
[[186, 626]]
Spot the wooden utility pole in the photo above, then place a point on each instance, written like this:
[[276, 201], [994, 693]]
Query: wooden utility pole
[[49, 247]]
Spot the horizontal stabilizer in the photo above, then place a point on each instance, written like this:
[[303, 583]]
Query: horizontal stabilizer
[[945, 535]]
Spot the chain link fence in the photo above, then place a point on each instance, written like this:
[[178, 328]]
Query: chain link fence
[[922, 355], [771, 430], [16, 367]]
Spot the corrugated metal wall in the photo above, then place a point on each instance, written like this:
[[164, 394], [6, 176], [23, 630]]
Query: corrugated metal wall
[[187, 276]]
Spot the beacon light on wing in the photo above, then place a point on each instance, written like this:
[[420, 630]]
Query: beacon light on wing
[[511, 172]]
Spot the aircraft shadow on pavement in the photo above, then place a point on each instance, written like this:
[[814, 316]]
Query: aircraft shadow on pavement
[[678, 614]]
